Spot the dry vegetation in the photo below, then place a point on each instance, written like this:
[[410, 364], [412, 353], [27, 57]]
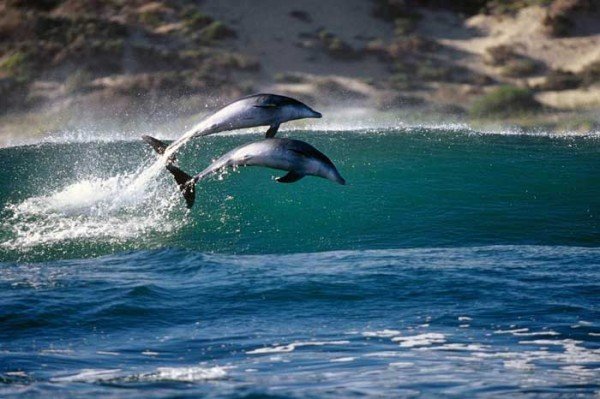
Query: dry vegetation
[[128, 48], [140, 56]]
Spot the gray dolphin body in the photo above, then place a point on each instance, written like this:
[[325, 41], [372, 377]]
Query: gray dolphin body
[[257, 110], [296, 157]]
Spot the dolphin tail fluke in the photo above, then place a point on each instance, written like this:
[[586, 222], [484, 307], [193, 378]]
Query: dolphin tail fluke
[[159, 146], [186, 184], [156, 144]]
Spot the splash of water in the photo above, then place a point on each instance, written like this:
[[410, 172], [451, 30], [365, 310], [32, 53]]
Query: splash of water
[[115, 209]]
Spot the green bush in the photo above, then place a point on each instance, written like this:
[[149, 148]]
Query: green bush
[[195, 19], [16, 65], [217, 30], [505, 101], [430, 71]]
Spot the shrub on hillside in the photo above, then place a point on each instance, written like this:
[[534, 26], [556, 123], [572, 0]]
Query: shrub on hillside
[[16, 65], [391, 10], [195, 19], [561, 80], [519, 67], [505, 101], [336, 47], [499, 55], [590, 74], [217, 30], [513, 65], [559, 19]]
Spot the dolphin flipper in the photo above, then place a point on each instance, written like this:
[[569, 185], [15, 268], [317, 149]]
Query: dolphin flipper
[[291, 177], [186, 184], [272, 131]]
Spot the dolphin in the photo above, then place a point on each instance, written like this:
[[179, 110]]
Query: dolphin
[[256, 110], [296, 157]]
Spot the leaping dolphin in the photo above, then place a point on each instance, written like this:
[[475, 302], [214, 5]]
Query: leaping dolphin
[[296, 157], [257, 110]]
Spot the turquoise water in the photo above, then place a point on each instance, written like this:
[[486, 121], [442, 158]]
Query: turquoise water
[[452, 264]]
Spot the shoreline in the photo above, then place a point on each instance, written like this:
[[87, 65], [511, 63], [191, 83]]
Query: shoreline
[[348, 119]]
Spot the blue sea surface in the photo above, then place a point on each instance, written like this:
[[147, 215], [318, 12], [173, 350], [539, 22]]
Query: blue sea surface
[[452, 264]]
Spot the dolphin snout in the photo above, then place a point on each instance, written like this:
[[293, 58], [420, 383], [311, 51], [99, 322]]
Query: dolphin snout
[[314, 114], [336, 177]]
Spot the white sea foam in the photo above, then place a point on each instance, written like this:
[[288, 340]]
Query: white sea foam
[[107, 353], [569, 354], [293, 346], [57, 352], [383, 354], [16, 374], [518, 364], [186, 374], [401, 364], [183, 374], [524, 332], [90, 375], [512, 331], [582, 323], [343, 359], [463, 347], [426, 339], [381, 333]]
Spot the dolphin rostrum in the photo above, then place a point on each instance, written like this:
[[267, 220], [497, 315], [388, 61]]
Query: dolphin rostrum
[[296, 157], [257, 110]]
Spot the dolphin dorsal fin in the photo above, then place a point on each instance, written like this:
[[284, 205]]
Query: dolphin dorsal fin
[[272, 131], [291, 177]]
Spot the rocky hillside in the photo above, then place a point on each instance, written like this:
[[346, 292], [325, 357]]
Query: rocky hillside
[[111, 51], [70, 63]]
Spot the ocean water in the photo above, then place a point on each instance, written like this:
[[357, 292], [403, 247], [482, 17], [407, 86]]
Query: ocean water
[[453, 264]]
